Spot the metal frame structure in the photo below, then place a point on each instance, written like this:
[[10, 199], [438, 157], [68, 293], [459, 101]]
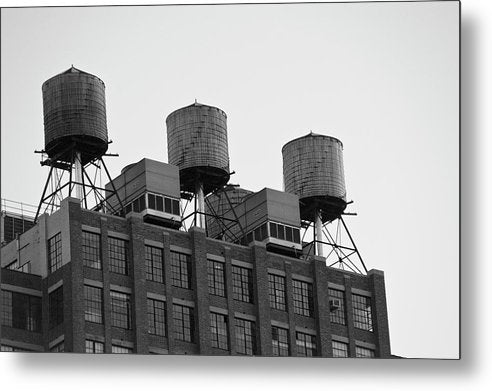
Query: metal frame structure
[[343, 251], [60, 186], [226, 223]]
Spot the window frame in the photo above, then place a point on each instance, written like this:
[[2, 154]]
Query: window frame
[[245, 342], [242, 284], [55, 307], [216, 278], [277, 292], [219, 331], [118, 251], [93, 311], [184, 323], [154, 263], [55, 253], [362, 312], [302, 298], [91, 250], [280, 344], [156, 316], [121, 310], [181, 270]]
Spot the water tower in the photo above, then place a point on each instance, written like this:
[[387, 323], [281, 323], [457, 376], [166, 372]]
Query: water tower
[[313, 170], [219, 205], [76, 138], [197, 144]]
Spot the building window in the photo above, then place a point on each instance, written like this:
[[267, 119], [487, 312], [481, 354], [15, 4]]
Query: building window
[[280, 341], [93, 346], [91, 249], [283, 232], [184, 327], [121, 310], [156, 310], [180, 270], [54, 253], [242, 284], [121, 349], [303, 297], [153, 261], [306, 344], [21, 311], [7, 308], [218, 330], [276, 290], [55, 299], [163, 204], [340, 349], [8, 348], [118, 256], [58, 348], [24, 268], [362, 312], [245, 337], [93, 304], [337, 306], [216, 284], [364, 352]]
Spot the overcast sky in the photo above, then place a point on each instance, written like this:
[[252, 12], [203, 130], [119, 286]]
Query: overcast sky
[[381, 77]]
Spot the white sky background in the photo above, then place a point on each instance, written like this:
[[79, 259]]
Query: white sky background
[[381, 77]]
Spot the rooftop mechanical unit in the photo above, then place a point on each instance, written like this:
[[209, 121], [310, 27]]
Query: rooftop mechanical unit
[[269, 216], [150, 188]]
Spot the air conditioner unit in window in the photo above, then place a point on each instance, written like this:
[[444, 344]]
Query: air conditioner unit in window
[[335, 304]]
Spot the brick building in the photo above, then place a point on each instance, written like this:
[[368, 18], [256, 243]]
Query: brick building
[[128, 276], [105, 283]]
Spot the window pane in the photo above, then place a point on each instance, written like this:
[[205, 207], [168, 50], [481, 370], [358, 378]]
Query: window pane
[[159, 202], [362, 311], [176, 210], [153, 261], [93, 304], [276, 290], [216, 284], [340, 349], [288, 234], [364, 352], [180, 270], [303, 297], [306, 344], [245, 337], [183, 323], [54, 253], [280, 341], [151, 198], [242, 284], [91, 249], [121, 349], [218, 330], [55, 299], [273, 230], [121, 310], [93, 346], [167, 205], [142, 203], [337, 315], [118, 255], [156, 311], [297, 236]]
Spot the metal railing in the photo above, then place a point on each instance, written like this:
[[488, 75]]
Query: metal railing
[[20, 209]]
